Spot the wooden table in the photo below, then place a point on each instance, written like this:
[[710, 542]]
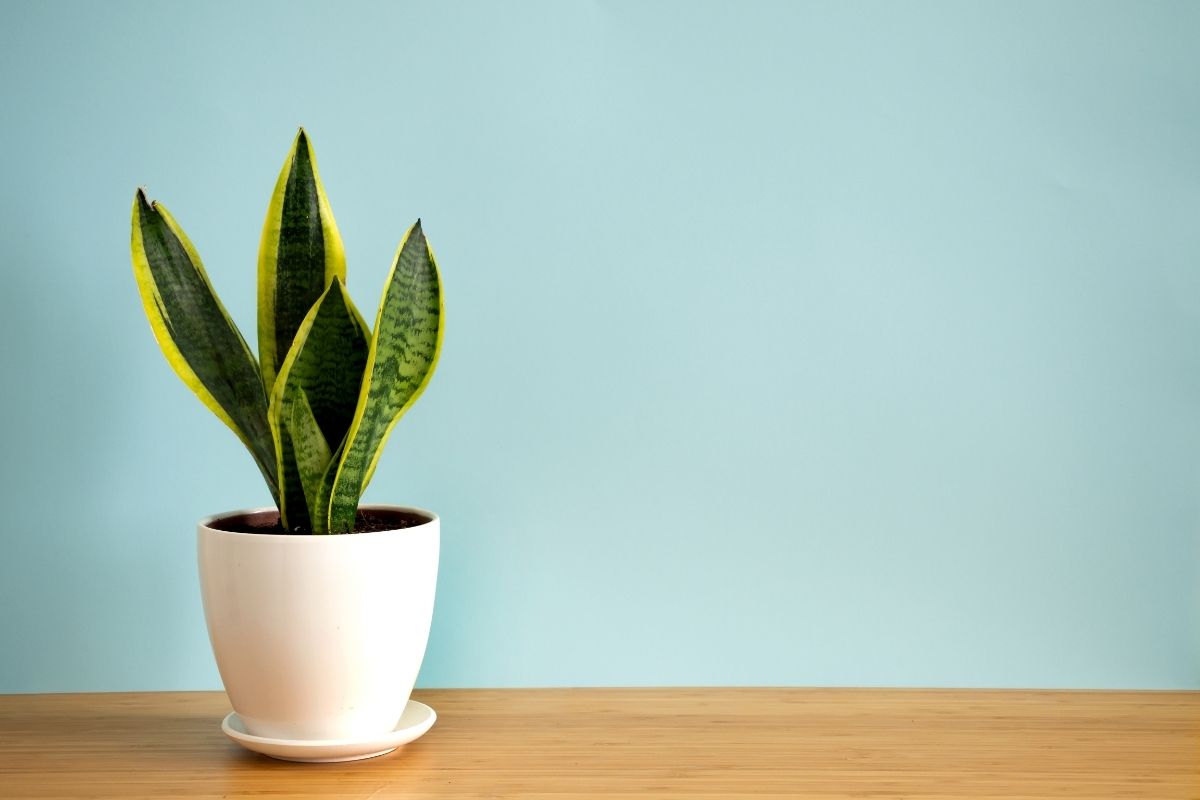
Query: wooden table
[[653, 743]]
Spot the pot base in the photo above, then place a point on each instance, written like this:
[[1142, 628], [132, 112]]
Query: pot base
[[414, 722]]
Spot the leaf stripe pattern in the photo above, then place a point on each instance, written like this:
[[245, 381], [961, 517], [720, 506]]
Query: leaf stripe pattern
[[325, 490], [312, 454], [324, 367], [196, 334], [404, 350], [299, 254]]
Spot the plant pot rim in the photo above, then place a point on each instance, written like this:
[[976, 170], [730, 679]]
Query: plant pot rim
[[205, 524]]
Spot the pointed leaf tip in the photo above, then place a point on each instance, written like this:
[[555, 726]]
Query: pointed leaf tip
[[404, 349], [300, 250], [198, 338]]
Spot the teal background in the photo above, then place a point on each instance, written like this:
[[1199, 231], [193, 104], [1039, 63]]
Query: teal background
[[788, 343]]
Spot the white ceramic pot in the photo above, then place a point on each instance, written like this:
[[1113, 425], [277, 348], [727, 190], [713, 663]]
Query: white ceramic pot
[[319, 637]]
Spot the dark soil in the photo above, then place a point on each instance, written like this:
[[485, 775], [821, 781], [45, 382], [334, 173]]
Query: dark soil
[[367, 521]]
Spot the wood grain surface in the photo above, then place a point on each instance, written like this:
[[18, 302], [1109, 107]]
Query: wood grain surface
[[654, 743]]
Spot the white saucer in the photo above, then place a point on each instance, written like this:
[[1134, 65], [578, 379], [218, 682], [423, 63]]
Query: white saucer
[[414, 722]]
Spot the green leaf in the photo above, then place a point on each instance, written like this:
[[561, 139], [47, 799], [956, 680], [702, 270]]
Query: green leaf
[[325, 365], [320, 510], [404, 350], [300, 253], [195, 332], [311, 451]]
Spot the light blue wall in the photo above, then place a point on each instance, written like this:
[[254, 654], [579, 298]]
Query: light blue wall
[[789, 343]]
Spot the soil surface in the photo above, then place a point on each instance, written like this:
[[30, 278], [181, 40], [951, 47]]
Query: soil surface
[[367, 521]]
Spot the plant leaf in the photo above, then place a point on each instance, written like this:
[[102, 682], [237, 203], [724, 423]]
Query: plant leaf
[[195, 332], [325, 489], [404, 349], [325, 364], [312, 454], [299, 254]]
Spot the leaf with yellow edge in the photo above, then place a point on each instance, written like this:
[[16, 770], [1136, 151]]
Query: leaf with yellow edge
[[299, 254], [325, 368], [405, 345], [311, 452], [196, 334]]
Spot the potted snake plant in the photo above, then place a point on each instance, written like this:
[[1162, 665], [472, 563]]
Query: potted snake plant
[[318, 609]]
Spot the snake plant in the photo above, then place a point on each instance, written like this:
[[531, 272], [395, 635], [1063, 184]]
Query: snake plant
[[316, 407]]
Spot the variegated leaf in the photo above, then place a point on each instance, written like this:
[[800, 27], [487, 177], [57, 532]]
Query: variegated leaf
[[324, 366], [300, 253], [405, 344], [311, 454], [195, 332]]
